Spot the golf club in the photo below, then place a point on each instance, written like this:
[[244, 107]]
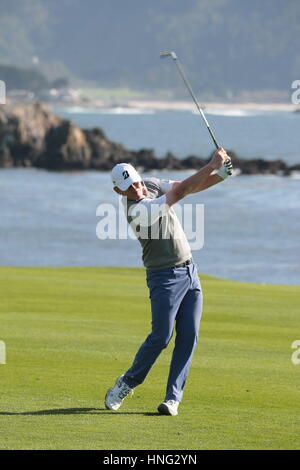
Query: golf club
[[184, 78]]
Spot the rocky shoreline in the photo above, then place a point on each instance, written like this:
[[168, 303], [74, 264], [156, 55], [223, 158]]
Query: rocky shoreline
[[32, 136]]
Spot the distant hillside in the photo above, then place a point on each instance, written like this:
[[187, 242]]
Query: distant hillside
[[227, 46]]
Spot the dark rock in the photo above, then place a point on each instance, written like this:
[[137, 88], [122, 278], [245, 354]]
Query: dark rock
[[66, 148], [104, 154], [23, 128], [295, 167], [170, 162], [31, 135], [255, 166], [260, 166], [292, 168], [6, 160], [193, 162], [146, 159]]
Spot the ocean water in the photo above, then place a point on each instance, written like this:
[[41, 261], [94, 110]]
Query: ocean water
[[251, 224], [251, 134]]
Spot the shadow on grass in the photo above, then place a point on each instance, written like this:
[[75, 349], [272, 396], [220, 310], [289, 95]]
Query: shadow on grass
[[74, 411]]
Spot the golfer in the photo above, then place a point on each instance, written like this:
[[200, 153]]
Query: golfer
[[172, 279]]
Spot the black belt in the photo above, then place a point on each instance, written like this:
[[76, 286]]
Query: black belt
[[186, 263]]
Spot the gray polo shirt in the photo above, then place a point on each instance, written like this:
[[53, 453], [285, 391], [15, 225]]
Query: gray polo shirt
[[157, 227]]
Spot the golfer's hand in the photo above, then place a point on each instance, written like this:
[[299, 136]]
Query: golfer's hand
[[226, 169], [218, 158]]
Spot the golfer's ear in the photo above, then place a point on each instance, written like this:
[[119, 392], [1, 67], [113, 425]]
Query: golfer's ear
[[117, 190]]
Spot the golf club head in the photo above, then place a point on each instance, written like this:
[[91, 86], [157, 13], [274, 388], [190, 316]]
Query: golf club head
[[167, 54]]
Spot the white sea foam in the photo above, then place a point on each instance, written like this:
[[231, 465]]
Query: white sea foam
[[109, 110], [125, 110], [228, 112], [238, 112]]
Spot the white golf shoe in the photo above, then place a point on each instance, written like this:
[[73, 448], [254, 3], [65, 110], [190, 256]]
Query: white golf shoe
[[169, 407], [115, 395]]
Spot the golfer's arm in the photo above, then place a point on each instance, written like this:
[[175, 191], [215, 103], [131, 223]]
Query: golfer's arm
[[201, 180], [210, 181]]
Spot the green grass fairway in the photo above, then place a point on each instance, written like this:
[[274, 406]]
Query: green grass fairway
[[69, 332]]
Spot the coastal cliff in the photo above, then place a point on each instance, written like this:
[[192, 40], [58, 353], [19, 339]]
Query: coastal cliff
[[33, 136]]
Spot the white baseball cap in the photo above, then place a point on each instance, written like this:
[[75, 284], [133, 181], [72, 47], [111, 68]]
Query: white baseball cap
[[124, 175]]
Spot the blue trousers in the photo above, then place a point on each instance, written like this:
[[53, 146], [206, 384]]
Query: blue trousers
[[176, 298]]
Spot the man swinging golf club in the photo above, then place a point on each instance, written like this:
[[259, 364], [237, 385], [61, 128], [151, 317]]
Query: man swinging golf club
[[172, 279]]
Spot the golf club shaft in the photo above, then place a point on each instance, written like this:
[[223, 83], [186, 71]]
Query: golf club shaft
[[184, 78]]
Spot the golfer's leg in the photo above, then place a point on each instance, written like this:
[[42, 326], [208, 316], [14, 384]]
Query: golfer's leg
[[187, 327], [164, 306]]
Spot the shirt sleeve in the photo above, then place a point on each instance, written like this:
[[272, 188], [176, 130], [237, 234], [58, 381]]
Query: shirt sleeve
[[165, 185], [146, 212]]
